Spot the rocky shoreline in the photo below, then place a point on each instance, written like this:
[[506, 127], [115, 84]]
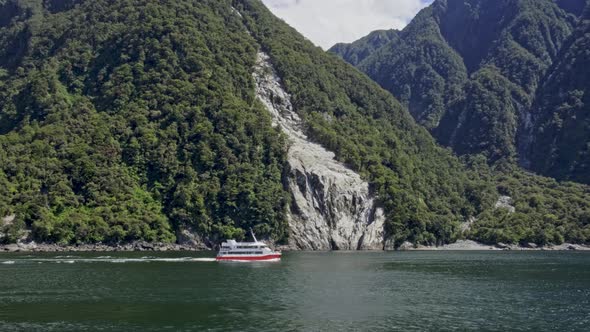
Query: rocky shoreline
[[99, 247], [461, 245], [468, 245]]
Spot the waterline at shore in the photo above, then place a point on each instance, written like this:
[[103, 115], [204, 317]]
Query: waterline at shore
[[461, 245]]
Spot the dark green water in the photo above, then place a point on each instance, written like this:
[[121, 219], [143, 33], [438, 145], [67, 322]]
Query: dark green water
[[397, 291]]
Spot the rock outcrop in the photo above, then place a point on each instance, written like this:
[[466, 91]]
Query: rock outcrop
[[332, 207], [98, 247], [505, 202], [8, 220], [190, 238]]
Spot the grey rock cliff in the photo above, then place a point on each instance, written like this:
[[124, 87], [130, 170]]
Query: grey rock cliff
[[8, 219], [332, 207], [505, 202]]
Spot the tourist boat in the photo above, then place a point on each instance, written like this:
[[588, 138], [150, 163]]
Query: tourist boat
[[233, 251]]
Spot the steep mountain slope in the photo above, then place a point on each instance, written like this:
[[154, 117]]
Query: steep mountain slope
[[560, 128], [358, 51], [127, 120], [144, 120], [469, 70], [135, 120], [370, 133]]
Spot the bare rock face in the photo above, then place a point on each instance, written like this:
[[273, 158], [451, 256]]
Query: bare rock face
[[190, 238], [8, 220], [405, 246], [505, 202], [332, 207]]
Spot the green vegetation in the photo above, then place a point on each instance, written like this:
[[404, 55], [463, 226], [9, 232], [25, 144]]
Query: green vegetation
[[128, 120], [358, 51], [426, 191], [471, 71], [474, 72], [423, 187], [561, 130], [546, 211], [134, 119]]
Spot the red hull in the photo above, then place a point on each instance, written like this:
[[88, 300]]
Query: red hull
[[250, 258]]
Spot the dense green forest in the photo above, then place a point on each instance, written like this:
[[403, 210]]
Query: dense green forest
[[133, 119], [546, 211], [561, 113], [125, 120], [475, 72], [358, 51]]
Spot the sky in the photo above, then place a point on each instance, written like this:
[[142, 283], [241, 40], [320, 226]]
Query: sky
[[327, 22]]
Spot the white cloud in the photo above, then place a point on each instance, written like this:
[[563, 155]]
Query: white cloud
[[327, 22]]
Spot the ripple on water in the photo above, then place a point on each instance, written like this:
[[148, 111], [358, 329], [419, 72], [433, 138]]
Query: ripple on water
[[305, 292], [62, 257]]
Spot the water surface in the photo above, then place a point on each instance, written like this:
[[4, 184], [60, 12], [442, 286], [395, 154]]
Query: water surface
[[339, 291]]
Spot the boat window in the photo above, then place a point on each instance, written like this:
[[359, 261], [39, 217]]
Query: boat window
[[242, 252]]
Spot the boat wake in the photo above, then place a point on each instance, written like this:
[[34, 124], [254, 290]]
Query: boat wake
[[107, 259]]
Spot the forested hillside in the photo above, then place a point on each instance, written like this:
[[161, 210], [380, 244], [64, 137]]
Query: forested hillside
[[358, 51], [135, 119], [125, 120], [560, 130], [472, 72]]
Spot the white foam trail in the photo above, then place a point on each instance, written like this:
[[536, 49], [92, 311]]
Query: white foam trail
[[204, 260], [154, 259], [65, 262], [109, 259], [184, 259]]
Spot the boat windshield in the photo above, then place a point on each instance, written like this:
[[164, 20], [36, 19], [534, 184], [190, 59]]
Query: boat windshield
[[244, 253]]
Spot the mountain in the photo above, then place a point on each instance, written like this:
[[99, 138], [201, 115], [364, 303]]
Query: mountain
[[125, 120], [560, 126], [471, 71], [358, 51], [139, 120], [193, 120]]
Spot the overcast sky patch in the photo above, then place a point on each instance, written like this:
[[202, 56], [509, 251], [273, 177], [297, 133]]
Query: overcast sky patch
[[327, 22]]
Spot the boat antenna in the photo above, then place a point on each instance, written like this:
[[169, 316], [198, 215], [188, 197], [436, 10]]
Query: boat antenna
[[252, 232]]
